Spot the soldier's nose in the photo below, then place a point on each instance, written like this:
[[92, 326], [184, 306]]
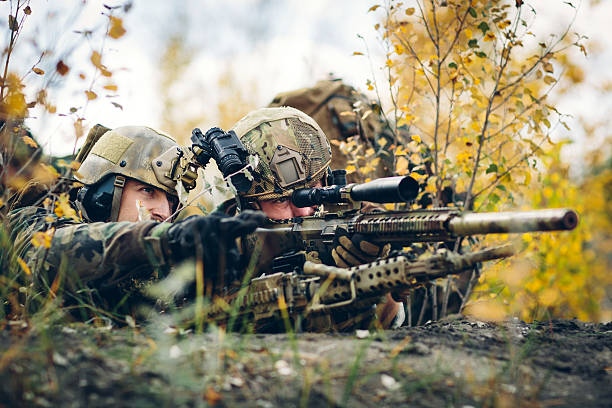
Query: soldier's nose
[[161, 210]]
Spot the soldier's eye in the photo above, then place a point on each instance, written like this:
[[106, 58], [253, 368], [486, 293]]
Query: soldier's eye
[[148, 190]]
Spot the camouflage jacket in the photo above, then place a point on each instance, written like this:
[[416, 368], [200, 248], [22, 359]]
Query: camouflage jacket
[[101, 259]]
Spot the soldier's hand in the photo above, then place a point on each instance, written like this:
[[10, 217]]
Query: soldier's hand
[[213, 237], [355, 250]]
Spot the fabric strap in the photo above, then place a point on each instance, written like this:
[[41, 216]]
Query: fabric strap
[[118, 191]]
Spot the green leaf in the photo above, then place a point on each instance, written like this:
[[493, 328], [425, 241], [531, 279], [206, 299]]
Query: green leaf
[[492, 168], [494, 198], [481, 54], [484, 27], [452, 65], [472, 12], [473, 43], [501, 187]]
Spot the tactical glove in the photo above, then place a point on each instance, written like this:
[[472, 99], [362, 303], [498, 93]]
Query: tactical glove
[[213, 237], [355, 250]]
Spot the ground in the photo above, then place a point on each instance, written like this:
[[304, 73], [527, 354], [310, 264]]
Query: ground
[[455, 362]]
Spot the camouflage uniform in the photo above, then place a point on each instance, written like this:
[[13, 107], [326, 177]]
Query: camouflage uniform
[[109, 259]]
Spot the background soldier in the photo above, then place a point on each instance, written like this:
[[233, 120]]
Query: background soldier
[[345, 114], [110, 234], [294, 153]]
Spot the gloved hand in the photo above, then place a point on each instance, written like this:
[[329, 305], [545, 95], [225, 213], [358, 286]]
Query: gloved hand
[[214, 237], [355, 250]]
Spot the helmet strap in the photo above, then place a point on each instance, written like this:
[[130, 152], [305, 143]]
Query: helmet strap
[[119, 183]]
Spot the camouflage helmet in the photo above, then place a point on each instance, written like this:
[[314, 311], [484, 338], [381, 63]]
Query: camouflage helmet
[[292, 148], [135, 152]]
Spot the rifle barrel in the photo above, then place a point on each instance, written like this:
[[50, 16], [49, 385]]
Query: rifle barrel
[[520, 221]]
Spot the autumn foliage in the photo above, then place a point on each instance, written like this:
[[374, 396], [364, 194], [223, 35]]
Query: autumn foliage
[[473, 80]]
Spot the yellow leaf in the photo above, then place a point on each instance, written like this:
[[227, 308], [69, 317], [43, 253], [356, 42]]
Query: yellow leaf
[[350, 169], [402, 166], [548, 67], [502, 25], [64, 209], [417, 176], [43, 239], [91, 95], [29, 141], [24, 266], [116, 29], [382, 142], [468, 33], [399, 49], [357, 53], [416, 138], [373, 8], [38, 71], [527, 178], [110, 87], [96, 59], [400, 151], [549, 80], [489, 36], [475, 126], [410, 11]]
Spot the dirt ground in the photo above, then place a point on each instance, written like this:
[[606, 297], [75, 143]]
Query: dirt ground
[[455, 362]]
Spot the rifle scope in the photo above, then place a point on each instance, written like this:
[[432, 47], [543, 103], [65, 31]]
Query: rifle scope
[[384, 190]]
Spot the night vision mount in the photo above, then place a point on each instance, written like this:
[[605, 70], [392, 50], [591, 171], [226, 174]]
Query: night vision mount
[[223, 147]]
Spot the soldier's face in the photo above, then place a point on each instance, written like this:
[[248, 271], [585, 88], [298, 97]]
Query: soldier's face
[[144, 198], [283, 208]]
